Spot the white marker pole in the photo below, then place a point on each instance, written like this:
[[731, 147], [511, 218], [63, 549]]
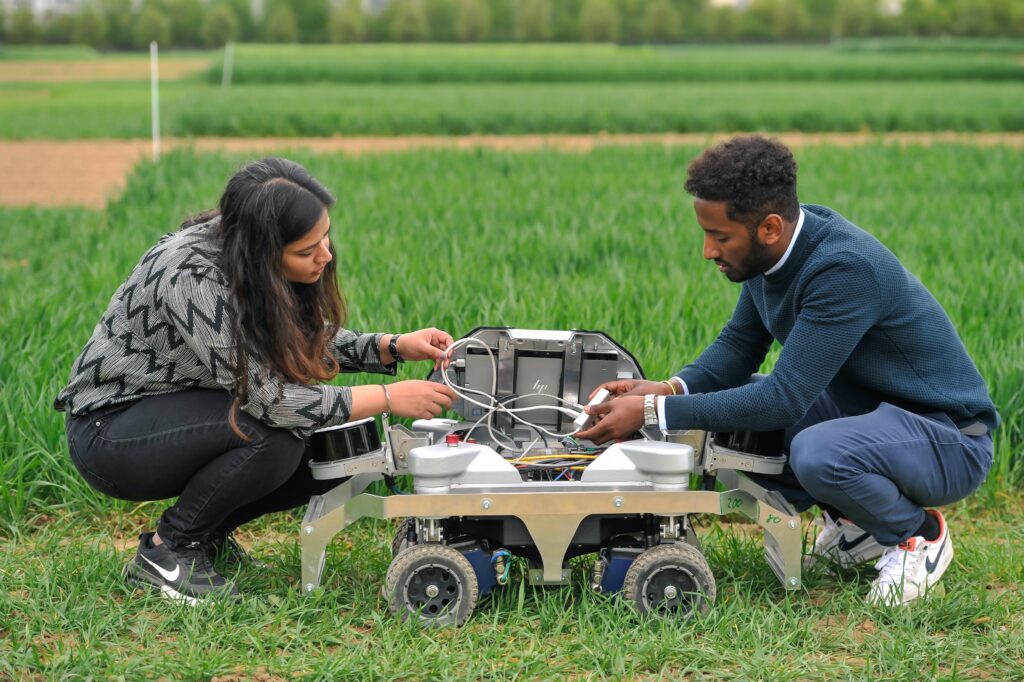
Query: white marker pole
[[154, 90], [229, 64]]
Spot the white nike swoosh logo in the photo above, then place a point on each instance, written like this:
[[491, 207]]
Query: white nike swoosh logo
[[169, 576]]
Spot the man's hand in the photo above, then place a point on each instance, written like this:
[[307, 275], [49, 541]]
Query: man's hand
[[426, 344], [617, 418], [633, 387]]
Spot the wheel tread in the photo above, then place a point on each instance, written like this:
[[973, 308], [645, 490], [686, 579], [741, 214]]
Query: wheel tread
[[401, 534], [407, 559], [679, 552]]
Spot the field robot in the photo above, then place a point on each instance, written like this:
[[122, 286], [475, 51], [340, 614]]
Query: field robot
[[508, 479]]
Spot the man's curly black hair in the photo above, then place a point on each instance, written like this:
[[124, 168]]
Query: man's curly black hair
[[755, 176]]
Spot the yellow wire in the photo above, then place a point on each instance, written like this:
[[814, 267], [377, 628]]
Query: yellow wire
[[536, 458]]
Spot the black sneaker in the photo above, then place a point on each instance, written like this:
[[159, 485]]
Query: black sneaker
[[182, 573], [226, 551]]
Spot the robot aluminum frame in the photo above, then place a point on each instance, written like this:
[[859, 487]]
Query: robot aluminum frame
[[551, 512]]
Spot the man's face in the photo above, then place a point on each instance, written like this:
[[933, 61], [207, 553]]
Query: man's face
[[739, 253]]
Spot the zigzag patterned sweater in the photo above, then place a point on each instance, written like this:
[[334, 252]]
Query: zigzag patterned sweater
[[168, 329]]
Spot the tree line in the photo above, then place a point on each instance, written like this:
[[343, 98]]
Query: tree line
[[124, 24]]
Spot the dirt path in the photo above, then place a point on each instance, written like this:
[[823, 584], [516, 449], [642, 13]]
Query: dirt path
[[58, 71], [89, 172]]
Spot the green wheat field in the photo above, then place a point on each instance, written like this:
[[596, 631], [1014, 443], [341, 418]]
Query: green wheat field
[[320, 90], [604, 241]]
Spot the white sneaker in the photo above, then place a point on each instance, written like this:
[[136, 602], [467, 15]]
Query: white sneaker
[[843, 543], [910, 569]]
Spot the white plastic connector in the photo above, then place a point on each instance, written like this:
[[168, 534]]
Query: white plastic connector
[[599, 397]]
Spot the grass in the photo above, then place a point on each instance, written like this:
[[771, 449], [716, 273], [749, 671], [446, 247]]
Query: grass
[[61, 52], [948, 44], [121, 110], [65, 614], [546, 240], [605, 63]]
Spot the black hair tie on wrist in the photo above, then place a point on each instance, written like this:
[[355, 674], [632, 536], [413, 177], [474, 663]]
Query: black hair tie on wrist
[[393, 348]]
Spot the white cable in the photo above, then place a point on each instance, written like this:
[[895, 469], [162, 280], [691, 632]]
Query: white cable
[[511, 411], [459, 391], [495, 406], [494, 434], [491, 431], [527, 450], [490, 410]]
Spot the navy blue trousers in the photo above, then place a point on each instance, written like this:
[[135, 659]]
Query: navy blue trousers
[[880, 469]]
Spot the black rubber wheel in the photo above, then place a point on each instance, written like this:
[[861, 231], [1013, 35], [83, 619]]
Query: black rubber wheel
[[670, 581], [401, 540], [432, 583]]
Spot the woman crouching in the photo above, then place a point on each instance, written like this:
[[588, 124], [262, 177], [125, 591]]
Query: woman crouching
[[203, 378]]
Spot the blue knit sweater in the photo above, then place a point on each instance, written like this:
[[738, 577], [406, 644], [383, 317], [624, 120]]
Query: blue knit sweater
[[851, 320]]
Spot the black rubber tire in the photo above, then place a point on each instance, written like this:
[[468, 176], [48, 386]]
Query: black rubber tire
[[414, 569], [678, 565], [401, 539]]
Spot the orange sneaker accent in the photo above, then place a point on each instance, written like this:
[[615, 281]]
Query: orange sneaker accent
[[938, 517]]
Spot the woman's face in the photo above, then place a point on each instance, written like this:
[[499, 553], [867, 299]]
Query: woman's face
[[305, 258]]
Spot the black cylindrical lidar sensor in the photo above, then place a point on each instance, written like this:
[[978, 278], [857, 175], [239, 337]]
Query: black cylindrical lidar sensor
[[345, 441]]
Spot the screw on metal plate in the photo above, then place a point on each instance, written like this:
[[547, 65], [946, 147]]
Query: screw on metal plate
[[308, 530], [793, 582], [792, 524], [309, 587], [486, 504], [618, 502]]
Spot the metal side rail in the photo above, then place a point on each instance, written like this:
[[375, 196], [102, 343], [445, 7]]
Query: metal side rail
[[325, 518], [783, 540], [552, 518], [782, 544]]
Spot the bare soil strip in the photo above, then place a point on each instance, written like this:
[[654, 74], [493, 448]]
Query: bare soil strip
[[90, 172], [57, 71]]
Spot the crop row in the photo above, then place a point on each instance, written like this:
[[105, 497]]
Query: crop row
[[121, 110], [603, 63]]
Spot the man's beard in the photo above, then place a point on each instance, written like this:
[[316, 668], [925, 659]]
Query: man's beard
[[757, 261]]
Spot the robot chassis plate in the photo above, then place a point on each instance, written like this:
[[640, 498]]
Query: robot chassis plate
[[473, 509]]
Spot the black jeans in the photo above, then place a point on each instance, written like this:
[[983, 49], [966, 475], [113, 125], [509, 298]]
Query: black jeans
[[181, 444]]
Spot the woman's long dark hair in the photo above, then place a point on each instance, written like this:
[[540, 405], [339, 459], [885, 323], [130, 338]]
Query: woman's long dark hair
[[286, 326]]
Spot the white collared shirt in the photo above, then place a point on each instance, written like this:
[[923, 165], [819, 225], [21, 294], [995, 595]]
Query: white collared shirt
[[789, 249], [660, 402]]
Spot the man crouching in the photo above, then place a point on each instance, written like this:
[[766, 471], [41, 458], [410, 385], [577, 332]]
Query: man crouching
[[884, 412]]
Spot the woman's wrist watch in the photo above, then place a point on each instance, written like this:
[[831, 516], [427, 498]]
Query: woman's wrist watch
[[650, 411], [393, 348]]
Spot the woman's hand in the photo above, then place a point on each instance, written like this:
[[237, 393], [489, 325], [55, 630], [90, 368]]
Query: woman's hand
[[425, 344], [417, 399]]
